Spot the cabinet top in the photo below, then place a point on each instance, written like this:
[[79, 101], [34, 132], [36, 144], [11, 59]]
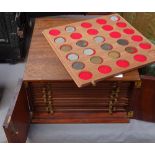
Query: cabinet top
[[43, 64]]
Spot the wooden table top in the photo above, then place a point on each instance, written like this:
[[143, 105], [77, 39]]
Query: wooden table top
[[43, 64]]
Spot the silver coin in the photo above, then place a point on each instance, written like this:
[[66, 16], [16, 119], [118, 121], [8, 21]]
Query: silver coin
[[78, 65], [70, 29], [114, 18], [88, 51], [72, 57], [99, 39], [59, 40]]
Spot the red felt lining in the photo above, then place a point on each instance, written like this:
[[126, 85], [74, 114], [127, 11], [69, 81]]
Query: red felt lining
[[115, 34], [107, 27], [104, 69], [140, 58], [76, 36], [101, 21], [129, 31], [86, 25], [122, 63], [92, 31], [54, 32], [145, 45], [137, 38], [85, 75], [121, 24]]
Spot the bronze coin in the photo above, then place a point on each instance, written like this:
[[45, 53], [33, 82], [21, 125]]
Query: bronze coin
[[96, 60], [131, 50], [114, 54], [122, 42], [66, 48], [78, 65], [82, 43], [106, 46]]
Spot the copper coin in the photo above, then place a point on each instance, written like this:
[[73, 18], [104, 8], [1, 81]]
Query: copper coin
[[78, 65], [122, 42], [114, 54], [131, 50], [82, 43], [66, 48], [96, 60], [106, 46]]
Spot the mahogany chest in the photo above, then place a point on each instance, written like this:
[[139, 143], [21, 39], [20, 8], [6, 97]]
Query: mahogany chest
[[47, 94]]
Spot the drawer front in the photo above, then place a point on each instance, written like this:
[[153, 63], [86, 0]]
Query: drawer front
[[49, 97]]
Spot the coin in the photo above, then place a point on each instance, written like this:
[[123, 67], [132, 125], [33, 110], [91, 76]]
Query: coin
[[59, 40], [122, 42], [89, 51], [72, 57], [65, 48], [78, 65], [96, 60], [114, 54], [70, 29], [82, 43], [99, 39], [106, 46]]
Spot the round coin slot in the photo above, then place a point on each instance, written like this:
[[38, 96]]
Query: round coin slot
[[66, 48], [131, 50], [114, 54], [70, 29], [72, 57], [96, 60], [82, 43], [115, 18], [99, 39], [106, 46], [85, 75], [89, 51], [122, 42], [78, 65], [59, 40]]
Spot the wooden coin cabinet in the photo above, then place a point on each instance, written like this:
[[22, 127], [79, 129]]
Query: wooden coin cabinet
[[47, 94]]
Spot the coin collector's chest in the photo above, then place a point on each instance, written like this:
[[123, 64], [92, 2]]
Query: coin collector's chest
[[47, 94]]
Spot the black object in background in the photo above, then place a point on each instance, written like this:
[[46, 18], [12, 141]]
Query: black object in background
[[14, 28]]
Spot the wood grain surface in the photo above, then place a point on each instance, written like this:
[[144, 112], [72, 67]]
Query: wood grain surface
[[43, 64], [96, 76]]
